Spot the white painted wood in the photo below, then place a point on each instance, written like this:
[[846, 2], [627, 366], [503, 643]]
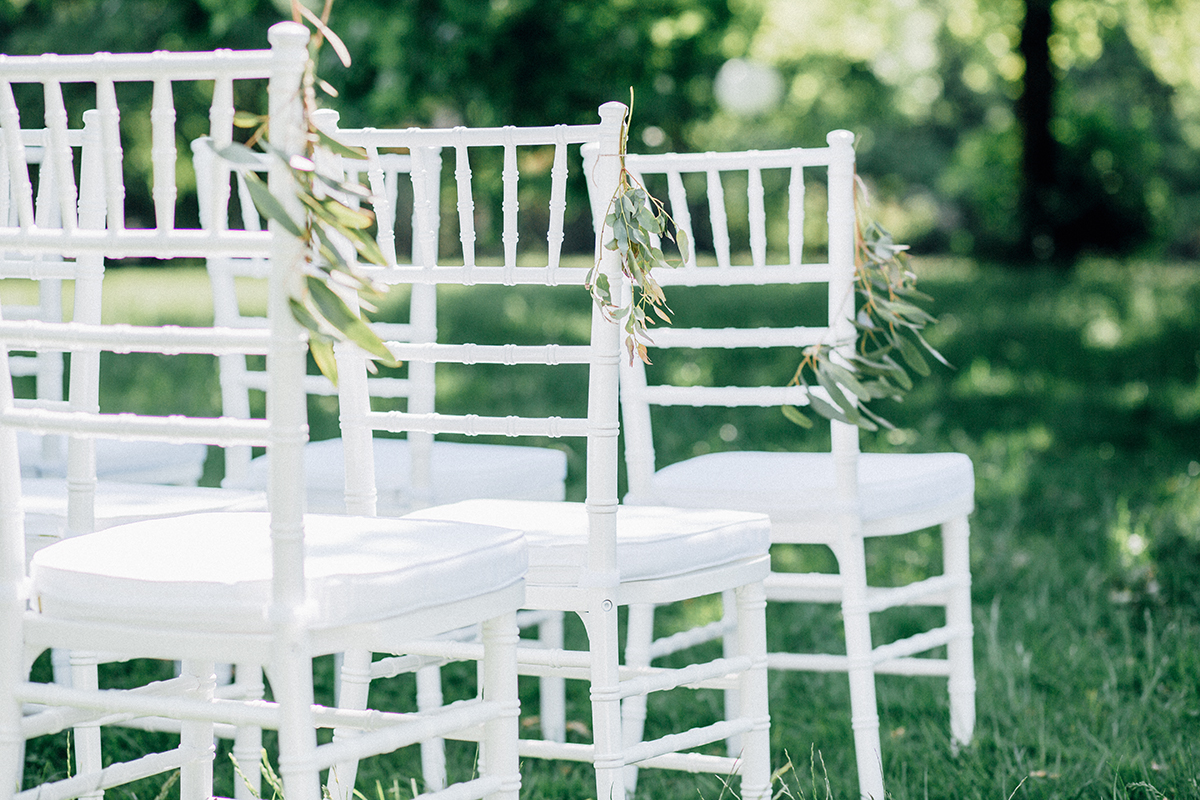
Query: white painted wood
[[588, 558], [838, 497], [258, 589]]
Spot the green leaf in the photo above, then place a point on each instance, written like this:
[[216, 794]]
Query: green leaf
[[238, 153], [367, 247], [334, 146], [846, 378], [794, 415], [244, 119], [322, 353], [912, 356], [268, 206], [305, 317], [352, 326], [931, 349], [825, 410]]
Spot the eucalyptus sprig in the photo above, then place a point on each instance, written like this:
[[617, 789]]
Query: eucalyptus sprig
[[888, 341], [637, 220], [337, 232]]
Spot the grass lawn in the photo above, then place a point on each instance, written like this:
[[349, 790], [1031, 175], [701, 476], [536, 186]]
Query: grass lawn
[[1077, 397]]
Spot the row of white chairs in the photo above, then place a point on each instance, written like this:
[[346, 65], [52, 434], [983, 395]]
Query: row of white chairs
[[269, 590]]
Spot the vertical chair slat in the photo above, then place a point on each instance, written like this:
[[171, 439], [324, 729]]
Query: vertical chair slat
[[720, 221], [680, 212], [795, 212], [58, 154], [758, 218], [14, 149], [110, 143], [385, 210], [425, 188], [466, 201], [558, 200], [510, 205], [162, 154], [220, 133]]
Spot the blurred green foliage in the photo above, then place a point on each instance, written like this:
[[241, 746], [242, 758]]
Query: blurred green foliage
[[930, 87]]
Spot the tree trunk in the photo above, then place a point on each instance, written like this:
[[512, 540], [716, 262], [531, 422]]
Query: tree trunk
[[1035, 110]]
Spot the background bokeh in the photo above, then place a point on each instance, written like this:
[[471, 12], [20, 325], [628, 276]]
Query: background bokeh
[[1033, 130]]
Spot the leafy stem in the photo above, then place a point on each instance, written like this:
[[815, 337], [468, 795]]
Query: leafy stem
[[335, 228], [888, 340], [638, 222]]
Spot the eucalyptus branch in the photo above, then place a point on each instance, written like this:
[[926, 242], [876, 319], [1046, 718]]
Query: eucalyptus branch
[[637, 220], [888, 337], [335, 229]]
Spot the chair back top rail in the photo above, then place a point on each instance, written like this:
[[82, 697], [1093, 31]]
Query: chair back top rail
[[158, 65], [104, 71]]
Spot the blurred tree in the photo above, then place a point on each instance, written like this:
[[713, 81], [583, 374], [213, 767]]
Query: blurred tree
[[994, 127]]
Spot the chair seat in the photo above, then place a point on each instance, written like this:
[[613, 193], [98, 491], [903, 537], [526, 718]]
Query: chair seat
[[120, 460], [460, 471], [797, 489], [652, 542], [212, 572], [117, 503]]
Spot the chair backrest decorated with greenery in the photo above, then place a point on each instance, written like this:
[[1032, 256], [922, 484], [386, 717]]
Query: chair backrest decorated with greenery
[[389, 176], [768, 231]]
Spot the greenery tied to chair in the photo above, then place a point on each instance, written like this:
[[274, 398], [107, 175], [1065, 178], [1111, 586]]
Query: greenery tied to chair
[[888, 341], [331, 227], [636, 219]]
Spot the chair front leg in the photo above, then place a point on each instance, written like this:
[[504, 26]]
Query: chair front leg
[[960, 650], [603, 642]]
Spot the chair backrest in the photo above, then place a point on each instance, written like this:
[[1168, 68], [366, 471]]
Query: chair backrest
[[233, 277], [764, 220], [57, 83], [524, 259], [48, 271]]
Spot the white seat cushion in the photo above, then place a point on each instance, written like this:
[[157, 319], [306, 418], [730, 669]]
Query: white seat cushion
[[212, 572], [117, 503], [652, 542], [136, 461], [798, 488], [460, 471]]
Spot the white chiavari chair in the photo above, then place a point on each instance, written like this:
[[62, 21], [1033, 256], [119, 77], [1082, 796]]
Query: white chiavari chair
[[256, 589], [45, 456], [587, 558], [833, 496]]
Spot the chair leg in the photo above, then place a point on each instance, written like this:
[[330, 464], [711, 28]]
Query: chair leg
[[603, 642], [730, 648], [355, 685], [498, 751], [196, 737], [638, 636], [433, 751], [960, 651], [291, 680], [247, 739], [552, 691], [751, 606], [864, 709], [87, 736], [12, 672]]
